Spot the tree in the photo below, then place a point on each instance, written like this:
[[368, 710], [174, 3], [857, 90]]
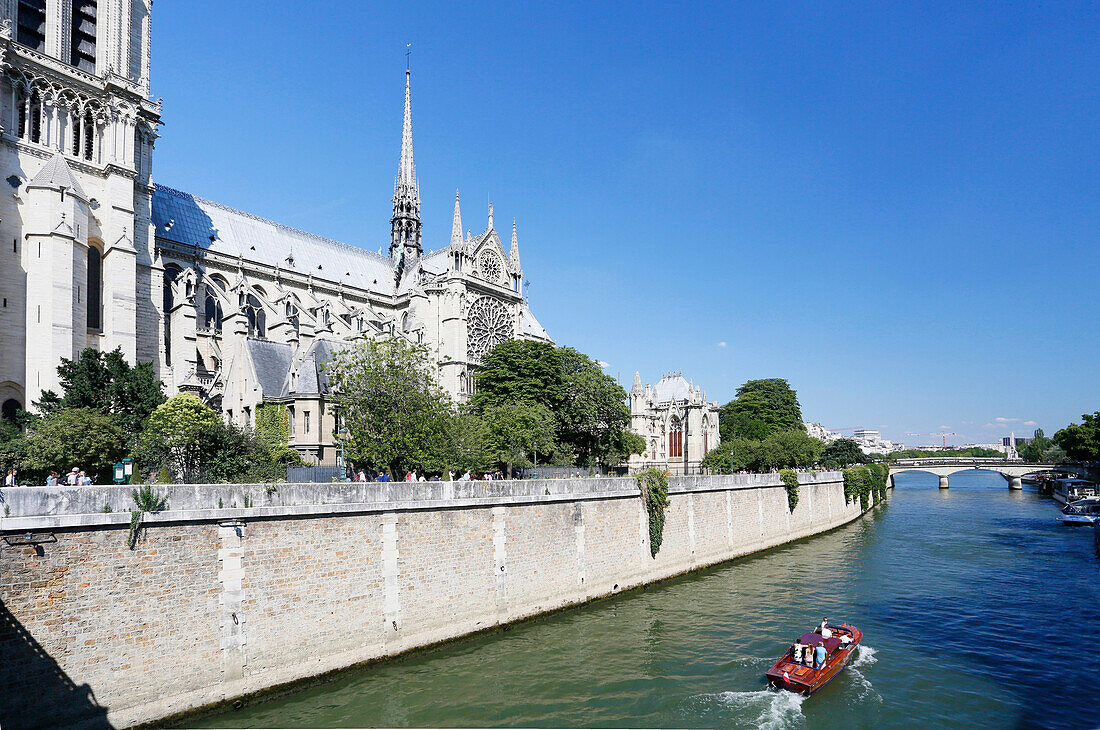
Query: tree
[[395, 414], [519, 371], [515, 429], [761, 408], [107, 383], [82, 437], [842, 453], [465, 445], [1081, 442], [184, 429], [786, 449], [593, 413], [588, 405]]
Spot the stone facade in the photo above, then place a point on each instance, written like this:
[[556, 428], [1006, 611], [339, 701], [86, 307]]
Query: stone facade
[[232, 307], [213, 604], [676, 420]]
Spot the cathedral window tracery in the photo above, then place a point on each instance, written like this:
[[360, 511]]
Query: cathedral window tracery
[[489, 266], [489, 326], [675, 438]]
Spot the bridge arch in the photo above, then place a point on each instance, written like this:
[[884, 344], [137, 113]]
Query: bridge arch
[[1012, 473]]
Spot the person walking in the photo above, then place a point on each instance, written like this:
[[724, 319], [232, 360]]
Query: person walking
[[74, 477], [384, 477], [9, 479], [52, 479]]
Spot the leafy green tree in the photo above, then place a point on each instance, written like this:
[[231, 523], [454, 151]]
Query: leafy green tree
[[842, 453], [588, 405], [515, 429], [183, 429], [395, 413], [786, 449], [761, 408], [519, 371], [1081, 441], [465, 446], [82, 437], [107, 383]]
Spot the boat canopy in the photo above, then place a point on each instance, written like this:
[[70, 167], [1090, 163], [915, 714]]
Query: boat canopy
[[813, 639]]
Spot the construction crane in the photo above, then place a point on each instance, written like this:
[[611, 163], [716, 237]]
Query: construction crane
[[937, 433]]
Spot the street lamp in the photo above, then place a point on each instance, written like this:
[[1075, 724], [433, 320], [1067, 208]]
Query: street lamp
[[536, 459]]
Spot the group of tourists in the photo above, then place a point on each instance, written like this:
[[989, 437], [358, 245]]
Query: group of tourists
[[76, 477], [814, 656]]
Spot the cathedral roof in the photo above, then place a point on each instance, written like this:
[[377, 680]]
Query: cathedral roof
[[272, 362], [530, 326], [57, 174], [673, 386], [210, 226]]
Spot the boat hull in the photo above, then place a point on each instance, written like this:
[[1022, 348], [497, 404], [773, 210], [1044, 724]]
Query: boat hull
[[795, 677]]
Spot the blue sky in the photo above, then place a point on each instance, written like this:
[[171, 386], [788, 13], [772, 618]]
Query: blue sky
[[895, 206]]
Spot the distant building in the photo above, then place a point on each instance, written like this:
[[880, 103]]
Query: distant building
[[871, 442], [676, 420], [817, 431]]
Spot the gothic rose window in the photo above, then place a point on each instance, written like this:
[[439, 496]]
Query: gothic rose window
[[490, 266], [489, 324]]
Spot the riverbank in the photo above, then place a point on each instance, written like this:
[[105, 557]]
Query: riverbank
[[219, 603]]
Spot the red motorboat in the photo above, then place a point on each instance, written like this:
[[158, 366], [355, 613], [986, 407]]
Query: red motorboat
[[795, 670]]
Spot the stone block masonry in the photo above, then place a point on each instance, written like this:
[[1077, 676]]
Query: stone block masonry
[[215, 603]]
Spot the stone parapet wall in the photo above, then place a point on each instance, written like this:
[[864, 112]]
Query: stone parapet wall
[[217, 603]]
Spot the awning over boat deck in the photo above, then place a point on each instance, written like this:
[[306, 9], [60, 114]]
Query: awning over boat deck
[[813, 639]]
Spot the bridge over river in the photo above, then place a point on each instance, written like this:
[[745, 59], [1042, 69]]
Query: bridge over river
[[1012, 471]]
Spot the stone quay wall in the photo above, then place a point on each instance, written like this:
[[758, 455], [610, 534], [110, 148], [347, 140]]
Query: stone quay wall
[[218, 599]]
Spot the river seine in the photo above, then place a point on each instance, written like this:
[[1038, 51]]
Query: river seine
[[978, 609]]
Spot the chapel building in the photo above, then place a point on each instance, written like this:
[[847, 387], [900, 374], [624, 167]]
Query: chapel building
[[676, 420], [235, 308]]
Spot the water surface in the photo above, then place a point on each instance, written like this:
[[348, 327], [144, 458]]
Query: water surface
[[972, 601]]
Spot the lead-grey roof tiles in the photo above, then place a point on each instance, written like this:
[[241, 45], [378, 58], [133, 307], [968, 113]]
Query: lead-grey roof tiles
[[187, 219]]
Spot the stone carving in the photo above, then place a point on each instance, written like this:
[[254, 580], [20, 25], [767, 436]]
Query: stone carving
[[489, 325]]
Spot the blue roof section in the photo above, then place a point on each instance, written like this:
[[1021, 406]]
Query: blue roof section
[[210, 226]]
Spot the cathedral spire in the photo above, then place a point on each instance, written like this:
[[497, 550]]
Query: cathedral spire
[[405, 245], [513, 254], [456, 226]]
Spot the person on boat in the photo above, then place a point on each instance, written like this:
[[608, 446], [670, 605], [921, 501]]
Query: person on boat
[[819, 656], [824, 629], [798, 653]]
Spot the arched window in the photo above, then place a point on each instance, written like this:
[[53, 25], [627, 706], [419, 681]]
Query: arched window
[[292, 313], [10, 409], [95, 288], [257, 319], [212, 312], [675, 438]]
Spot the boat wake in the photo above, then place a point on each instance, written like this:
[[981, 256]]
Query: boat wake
[[865, 657], [766, 708]]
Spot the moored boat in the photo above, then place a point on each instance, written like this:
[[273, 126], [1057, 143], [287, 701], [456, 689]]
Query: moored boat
[[795, 670], [1082, 512]]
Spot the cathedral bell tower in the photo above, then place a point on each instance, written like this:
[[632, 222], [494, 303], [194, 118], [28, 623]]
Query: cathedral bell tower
[[405, 246]]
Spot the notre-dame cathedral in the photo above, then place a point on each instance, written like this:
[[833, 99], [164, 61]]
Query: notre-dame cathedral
[[232, 307]]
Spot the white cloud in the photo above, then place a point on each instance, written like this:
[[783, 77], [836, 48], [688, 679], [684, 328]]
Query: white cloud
[[722, 344], [999, 419], [944, 428], [990, 425], [1030, 423]]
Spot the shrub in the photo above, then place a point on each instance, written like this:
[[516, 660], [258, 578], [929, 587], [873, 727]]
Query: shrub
[[790, 481], [653, 484]]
